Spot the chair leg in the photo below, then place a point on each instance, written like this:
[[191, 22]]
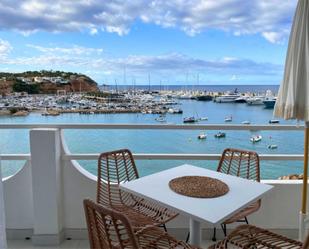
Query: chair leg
[[223, 226], [246, 220], [164, 227], [188, 237], [214, 238]]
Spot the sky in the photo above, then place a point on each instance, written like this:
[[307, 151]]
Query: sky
[[206, 42]]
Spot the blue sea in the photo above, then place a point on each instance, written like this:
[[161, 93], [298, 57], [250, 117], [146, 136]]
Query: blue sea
[[158, 141]]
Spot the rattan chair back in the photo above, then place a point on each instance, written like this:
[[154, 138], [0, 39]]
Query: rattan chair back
[[115, 167], [248, 236], [241, 163], [108, 229]]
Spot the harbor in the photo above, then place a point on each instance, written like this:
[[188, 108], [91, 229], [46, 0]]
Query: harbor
[[156, 141], [126, 101]]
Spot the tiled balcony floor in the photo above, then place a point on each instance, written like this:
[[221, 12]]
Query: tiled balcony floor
[[68, 244]]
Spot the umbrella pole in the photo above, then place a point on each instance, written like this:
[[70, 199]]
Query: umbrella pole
[[303, 212]]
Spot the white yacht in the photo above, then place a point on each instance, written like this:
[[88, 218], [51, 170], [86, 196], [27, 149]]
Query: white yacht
[[270, 100], [241, 99], [227, 98], [256, 100]]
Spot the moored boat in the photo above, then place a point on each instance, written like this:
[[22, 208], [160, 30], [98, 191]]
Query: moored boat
[[241, 99], [269, 100], [257, 100], [202, 136], [272, 146], [189, 120], [228, 119], [246, 122], [269, 103], [255, 139], [227, 98], [174, 111], [274, 121], [204, 98], [160, 119], [220, 135]]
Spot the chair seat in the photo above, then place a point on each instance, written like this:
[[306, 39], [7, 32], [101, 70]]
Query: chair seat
[[248, 236], [111, 229], [137, 219], [155, 238], [244, 212], [144, 213]]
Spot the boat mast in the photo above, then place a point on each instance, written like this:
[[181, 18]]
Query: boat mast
[[149, 82], [116, 85], [186, 82], [124, 76], [197, 82]]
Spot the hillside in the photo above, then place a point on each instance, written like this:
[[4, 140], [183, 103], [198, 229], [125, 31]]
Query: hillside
[[46, 82]]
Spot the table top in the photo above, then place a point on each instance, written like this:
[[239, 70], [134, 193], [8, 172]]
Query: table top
[[213, 210]]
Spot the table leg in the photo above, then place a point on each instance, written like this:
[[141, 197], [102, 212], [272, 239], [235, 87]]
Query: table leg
[[195, 232]]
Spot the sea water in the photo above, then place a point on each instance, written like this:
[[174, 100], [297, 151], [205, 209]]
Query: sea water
[[164, 141]]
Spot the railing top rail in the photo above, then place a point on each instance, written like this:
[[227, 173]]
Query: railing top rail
[[156, 126], [158, 156]]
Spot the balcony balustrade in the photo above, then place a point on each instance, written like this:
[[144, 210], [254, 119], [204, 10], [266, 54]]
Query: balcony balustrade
[[43, 200]]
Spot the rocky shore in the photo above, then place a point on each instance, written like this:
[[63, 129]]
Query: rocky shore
[[292, 177]]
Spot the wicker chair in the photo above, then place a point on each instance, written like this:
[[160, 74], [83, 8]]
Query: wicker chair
[[116, 167], [245, 164], [248, 236], [109, 229]]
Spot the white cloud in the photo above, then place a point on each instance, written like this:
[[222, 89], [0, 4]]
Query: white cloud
[[269, 18], [94, 31], [74, 50], [5, 48], [275, 37], [171, 64]]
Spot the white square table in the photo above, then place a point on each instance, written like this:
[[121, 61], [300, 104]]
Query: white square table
[[155, 187]]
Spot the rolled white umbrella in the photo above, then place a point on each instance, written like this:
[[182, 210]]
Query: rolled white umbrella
[[293, 96], [2, 217]]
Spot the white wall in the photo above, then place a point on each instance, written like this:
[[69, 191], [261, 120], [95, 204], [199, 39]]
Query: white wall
[[18, 199]]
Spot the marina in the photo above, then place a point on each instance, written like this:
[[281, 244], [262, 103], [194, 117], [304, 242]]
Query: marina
[[127, 101], [156, 141]]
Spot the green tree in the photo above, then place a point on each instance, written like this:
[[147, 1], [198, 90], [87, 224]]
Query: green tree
[[20, 86]]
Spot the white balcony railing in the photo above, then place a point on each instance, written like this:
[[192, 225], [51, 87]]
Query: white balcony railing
[[154, 156], [43, 200]]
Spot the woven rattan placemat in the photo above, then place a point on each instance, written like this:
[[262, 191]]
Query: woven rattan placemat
[[198, 186]]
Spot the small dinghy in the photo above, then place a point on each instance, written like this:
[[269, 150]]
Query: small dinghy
[[160, 119], [203, 118], [274, 121], [246, 122], [272, 146], [228, 119], [189, 120], [220, 135], [202, 136], [255, 139]]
